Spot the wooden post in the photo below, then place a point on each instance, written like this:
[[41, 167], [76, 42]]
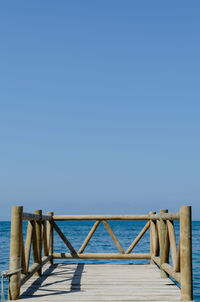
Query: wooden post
[[162, 242], [29, 236], [166, 246], [23, 266], [34, 243], [186, 253], [15, 252], [44, 237], [50, 237], [152, 238], [38, 229]]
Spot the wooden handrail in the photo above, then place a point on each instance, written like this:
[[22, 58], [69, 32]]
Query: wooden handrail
[[33, 269], [100, 217], [169, 270], [102, 256], [30, 216], [166, 216]]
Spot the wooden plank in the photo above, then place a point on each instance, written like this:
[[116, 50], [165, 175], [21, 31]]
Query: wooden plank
[[106, 288], [100, 282], [89, 236], [103, 297], [108, 293]]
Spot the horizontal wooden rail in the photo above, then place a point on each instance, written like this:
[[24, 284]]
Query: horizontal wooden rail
[[101, 256], [156, 259], [30, 216], [169, 270], [166, 216], [34, 268], [101, 217]]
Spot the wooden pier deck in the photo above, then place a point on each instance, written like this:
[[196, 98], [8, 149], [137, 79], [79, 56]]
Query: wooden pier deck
[[100, 282], [45, 280]]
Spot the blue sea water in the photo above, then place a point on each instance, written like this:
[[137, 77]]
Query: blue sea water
[[125, 231]]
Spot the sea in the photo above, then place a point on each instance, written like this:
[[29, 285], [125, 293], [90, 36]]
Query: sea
[[125, 231]]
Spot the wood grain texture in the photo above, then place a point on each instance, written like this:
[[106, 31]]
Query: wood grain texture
[[163, 245], [101, 256], [172, 240], [38, 232], [29, 234], [101, 217], [177, 264], [15, 251], [23, 271], [44, 238], [100, 282], [186, 253], [50, 236]]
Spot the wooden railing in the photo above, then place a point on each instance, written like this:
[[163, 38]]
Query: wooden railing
[[40, 236]]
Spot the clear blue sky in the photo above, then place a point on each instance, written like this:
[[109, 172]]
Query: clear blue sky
[[99, 106]]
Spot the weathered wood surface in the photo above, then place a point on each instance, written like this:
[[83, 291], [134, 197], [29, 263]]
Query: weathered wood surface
[[100, 282]]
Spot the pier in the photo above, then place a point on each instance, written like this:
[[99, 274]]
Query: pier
[[45, 280]]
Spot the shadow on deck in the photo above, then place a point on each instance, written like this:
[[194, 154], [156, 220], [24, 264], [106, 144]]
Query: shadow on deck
[[100, 282], [40, 283]]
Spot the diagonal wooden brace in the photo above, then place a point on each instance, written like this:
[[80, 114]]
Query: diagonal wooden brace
[[118, 245], [63, 237], [137, 239], [89, 236]]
